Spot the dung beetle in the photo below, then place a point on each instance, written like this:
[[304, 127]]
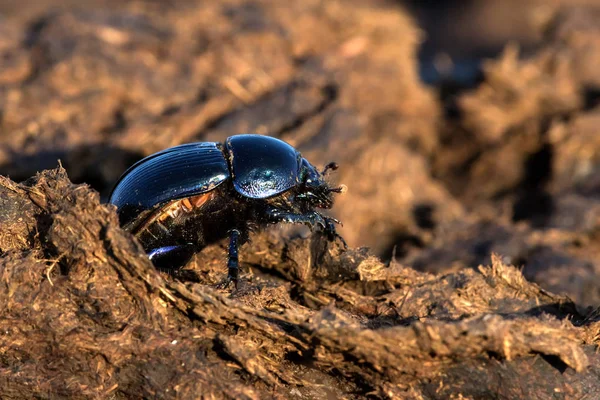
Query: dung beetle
[[183, 198]]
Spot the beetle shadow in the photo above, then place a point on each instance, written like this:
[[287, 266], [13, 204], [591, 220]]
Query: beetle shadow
[[98, 165]]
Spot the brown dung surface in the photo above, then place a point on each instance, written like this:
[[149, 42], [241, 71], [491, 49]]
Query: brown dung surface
[[508, 166]]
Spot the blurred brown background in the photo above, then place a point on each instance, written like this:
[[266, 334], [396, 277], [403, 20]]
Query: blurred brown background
[[461, 127]]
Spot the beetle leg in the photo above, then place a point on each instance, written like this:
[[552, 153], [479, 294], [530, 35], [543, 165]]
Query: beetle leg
[[232, 260], [331, 232], [312, 219], [334, 220]]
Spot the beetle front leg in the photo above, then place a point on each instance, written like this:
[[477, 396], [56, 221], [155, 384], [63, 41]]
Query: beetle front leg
[[331, 232], [312, 219]]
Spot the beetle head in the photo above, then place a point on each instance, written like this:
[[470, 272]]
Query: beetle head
[[314, 188]]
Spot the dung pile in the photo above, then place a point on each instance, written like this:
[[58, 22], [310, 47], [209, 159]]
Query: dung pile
[[85, 315], [438, 181]]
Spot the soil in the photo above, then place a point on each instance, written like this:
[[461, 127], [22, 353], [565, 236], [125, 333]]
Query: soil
[[472, 213]]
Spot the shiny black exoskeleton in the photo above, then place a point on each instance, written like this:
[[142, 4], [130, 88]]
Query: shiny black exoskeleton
[[179, 200]]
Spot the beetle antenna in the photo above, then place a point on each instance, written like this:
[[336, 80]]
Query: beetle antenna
[[331, 166], [339, 189]]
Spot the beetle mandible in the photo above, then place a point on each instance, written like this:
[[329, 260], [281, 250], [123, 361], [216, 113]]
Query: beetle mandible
[[183, 198]]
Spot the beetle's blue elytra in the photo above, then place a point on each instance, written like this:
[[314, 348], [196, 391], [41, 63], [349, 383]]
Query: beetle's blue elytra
[[178, 172]]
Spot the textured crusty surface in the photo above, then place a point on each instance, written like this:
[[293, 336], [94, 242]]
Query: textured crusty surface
[[85, 315], [439, 177]]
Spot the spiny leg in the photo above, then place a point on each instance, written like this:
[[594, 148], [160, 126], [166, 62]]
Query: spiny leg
[[331, 232], [312, 219]]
